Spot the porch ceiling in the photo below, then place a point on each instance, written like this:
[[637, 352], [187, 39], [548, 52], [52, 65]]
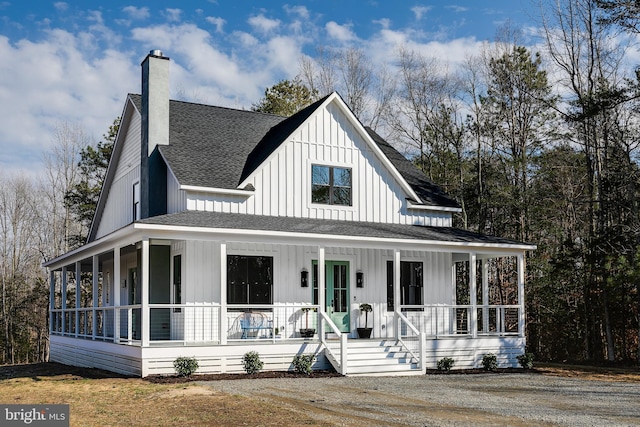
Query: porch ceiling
[[337, 228]]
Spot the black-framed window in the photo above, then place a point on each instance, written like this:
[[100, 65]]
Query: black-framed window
[[330, 185], [410, 283], [249, 279], [136, 201]]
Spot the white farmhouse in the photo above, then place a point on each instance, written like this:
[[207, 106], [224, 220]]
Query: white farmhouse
[[212, 223]]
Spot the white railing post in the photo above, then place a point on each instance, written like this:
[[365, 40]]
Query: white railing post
[[473, 315], [521, 316], [116, 295], [223, 294], [397, 294], [52, 300], [129, 324], [485, 296], [343, 354], [78, 297], [144, 294], [423, 352], [94, 296], [322, 291], [63, 299]]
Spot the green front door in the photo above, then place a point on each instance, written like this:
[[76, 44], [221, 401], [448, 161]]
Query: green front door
[[336, 292]]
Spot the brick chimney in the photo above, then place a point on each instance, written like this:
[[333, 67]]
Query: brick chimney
[[154, 132]]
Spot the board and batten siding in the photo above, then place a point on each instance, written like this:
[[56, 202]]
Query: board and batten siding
[[201, 284], [118, 209], [283, 183]]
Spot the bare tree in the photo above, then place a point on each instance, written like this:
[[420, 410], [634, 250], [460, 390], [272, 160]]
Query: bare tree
[[588, 59], [24, 304], [350, 72], [61, 173]]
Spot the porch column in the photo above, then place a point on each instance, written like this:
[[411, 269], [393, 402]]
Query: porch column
[[94, 296], [144, 294], [52, 299], [116, 294], [78, 296], [473, 315], [485, 295], [521, 314], [397, 294], [322, 291], [64, 300], [223, 293]]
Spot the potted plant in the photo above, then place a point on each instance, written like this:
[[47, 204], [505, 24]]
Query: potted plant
[[307, 332], [366, 331], [278, 332]]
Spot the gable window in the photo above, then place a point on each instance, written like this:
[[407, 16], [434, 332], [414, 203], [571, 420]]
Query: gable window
[[136, 201], [330, 185], [410, 284], [249, 279]]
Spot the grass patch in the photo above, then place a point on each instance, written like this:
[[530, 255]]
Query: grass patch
[[97, 398]]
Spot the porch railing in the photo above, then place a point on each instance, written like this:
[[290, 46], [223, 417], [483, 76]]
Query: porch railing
[[438, 321], [183, 324], [271, 322], [81, 322]]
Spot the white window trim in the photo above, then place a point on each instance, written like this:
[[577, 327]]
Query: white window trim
[[309, 184]]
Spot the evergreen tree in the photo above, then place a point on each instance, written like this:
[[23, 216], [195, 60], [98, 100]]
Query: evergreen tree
[[285, 98], [82, 199]]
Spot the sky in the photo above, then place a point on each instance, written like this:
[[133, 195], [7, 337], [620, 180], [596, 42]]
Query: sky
[[73, 62]]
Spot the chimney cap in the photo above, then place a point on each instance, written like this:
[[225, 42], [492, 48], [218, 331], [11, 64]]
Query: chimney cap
[[156, 52]]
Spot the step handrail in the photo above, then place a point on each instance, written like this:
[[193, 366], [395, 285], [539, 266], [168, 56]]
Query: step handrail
[[421, 337], [342, 357]]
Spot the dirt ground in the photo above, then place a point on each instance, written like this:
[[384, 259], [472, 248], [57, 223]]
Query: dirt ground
[[285, 399]]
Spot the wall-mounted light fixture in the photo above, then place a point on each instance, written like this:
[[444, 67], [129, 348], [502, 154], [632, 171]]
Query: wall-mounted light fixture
[[304, 278], [359, 279]]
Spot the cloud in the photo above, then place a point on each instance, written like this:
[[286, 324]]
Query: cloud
[[300, 11], [59, 6], [137, 13], [48, 82], [420, 11], [218, 22], [457, 9], [173, 15], [264, 24], [343, 33]]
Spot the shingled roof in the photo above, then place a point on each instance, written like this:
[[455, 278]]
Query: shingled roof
[[233, 221], [219, 147]]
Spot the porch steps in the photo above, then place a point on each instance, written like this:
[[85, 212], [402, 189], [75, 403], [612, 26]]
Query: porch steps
[[374, 357]]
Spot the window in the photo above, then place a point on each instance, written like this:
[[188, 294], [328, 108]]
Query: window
[[136, 201], [410, 284], [249, 279], [330, 185]]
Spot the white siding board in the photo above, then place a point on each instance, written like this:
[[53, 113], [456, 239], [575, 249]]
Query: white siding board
[[176, 198], [118, 210]]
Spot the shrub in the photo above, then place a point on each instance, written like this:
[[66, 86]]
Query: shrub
[[445, 364], [251, 362], [302, 363], [490, 362], [526, 360], [185, 366]]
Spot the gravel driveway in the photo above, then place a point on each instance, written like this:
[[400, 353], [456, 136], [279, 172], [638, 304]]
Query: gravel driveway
[[450, 400]]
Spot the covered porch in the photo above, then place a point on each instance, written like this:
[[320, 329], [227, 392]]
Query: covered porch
[[153, 294]]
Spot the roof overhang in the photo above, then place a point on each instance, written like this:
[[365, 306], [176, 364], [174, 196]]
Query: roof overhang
[[198, 225], [285, 237]]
